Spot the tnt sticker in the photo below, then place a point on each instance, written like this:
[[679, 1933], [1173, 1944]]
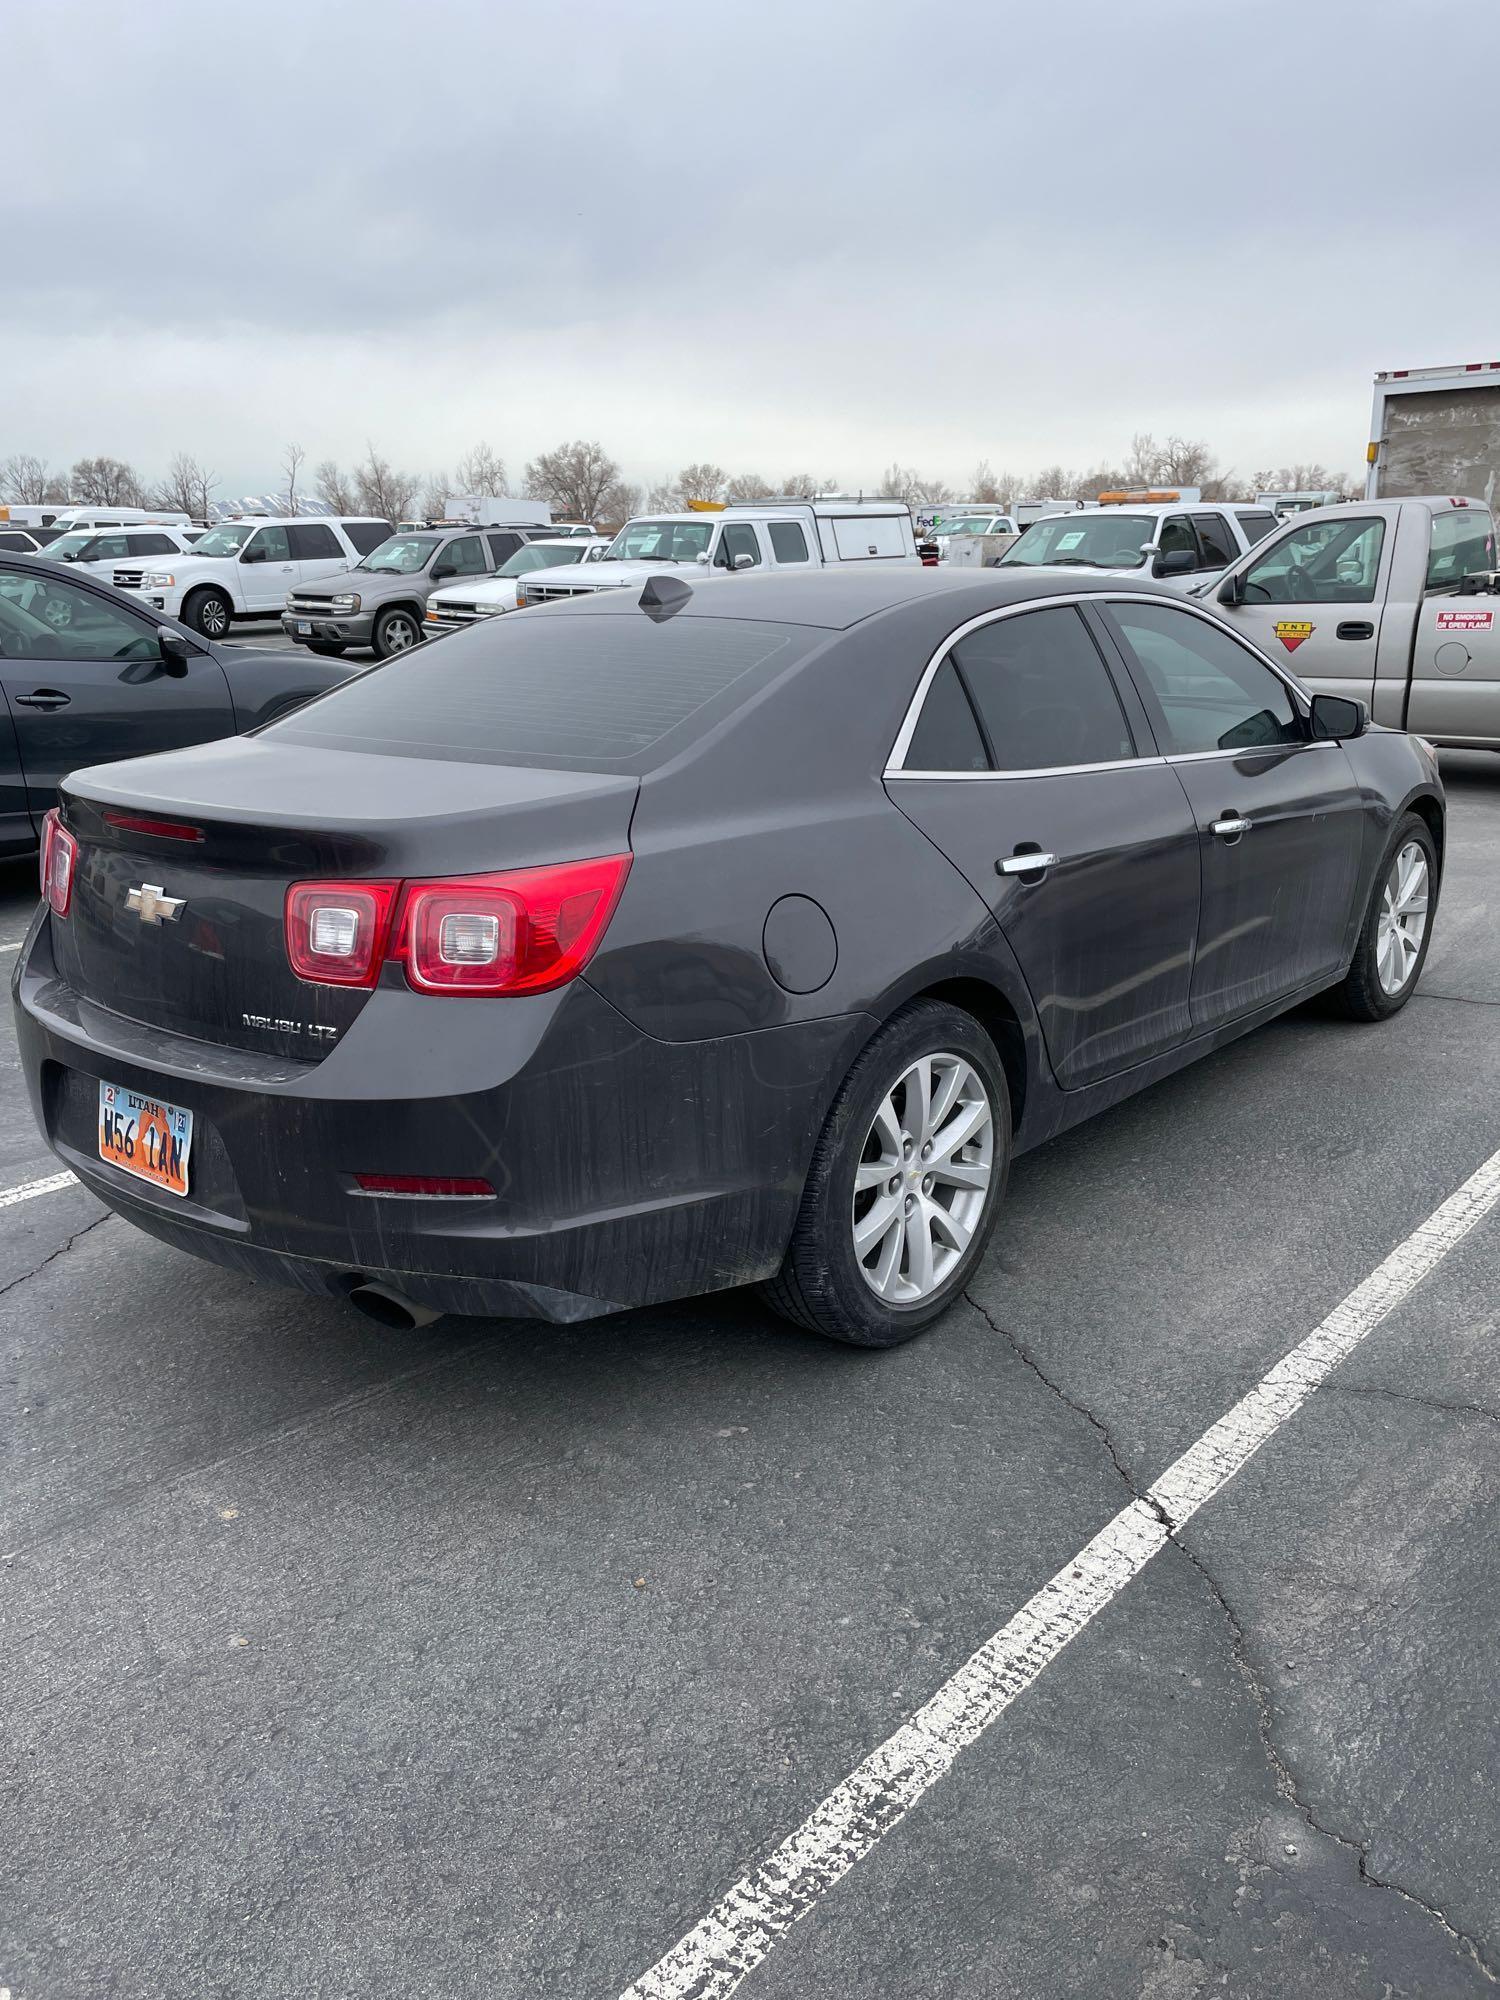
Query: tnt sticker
[[1465, 621], [1292, 631]]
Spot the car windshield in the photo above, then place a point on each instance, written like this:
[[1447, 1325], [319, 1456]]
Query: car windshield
[[537, 557], [660, 541], [68, 546], [225, 541], [1084, 541], [403, 554], [964, 524]]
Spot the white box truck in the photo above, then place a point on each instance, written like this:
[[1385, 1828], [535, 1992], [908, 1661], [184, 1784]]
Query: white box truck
[[1435, 430]]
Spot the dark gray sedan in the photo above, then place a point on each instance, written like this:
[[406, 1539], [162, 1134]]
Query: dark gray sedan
[[709, 935]]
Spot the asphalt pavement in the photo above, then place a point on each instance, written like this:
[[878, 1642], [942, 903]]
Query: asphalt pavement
[[488, 1660]]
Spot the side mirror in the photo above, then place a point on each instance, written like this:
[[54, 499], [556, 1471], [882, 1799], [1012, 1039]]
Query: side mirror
[[702, 556], [442, 570], [744, 560], [1232, 590], [176, 653], [250, 553], [1174, 562], [1334, 718]]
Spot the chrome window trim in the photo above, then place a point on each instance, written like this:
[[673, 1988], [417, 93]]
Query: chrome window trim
[[894, 763]]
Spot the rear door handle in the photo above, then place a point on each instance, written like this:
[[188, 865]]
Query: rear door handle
[[43, 698], [1230, 828], [1031, 863], [1355, 628]]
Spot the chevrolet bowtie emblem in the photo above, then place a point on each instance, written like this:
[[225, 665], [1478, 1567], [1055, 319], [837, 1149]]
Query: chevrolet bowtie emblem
[[151, 906]]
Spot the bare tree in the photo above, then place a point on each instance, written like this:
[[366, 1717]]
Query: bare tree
[[24, 479], [617, 505], [703, 481], [381, 490], [573, 479], [482, 471], [748, 486], [334, 488], [982, 483], [802, 486], [106, 482], [663, 499], [901, 482], [435, 495], [186, 488], [292, 461]]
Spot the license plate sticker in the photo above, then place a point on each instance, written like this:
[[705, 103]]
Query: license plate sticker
[[303, 627], [145, 1136]]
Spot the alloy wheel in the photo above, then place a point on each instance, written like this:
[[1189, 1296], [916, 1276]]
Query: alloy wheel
[[923, 1178], [1402, 924], [213, 619], [399, 634]]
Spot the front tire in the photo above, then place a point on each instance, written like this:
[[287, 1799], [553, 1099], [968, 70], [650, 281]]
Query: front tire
[[1394, 936], [905, 1183], [396, 631], [208, 612]]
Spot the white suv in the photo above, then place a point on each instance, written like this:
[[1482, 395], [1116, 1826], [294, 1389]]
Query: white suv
[[99, 549], [245, 569]]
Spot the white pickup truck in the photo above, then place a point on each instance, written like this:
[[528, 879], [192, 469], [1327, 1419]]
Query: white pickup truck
[[760, 534], [1392, 601]]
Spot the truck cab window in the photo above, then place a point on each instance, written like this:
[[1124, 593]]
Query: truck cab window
[[1177, 533], [1217, 537], [1463, 544], [1323, 562], [739, 539]]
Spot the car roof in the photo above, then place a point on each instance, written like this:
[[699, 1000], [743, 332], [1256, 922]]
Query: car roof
[[836, 598]]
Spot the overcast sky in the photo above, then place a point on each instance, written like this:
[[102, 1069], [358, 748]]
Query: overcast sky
[[796, 235]]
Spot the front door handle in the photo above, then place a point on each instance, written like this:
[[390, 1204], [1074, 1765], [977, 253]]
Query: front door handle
[[1230, 828], [43, 698], [1031, 862], [1355, 628]]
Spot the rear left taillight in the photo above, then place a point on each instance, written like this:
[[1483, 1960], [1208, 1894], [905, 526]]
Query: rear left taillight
[[59, 859], [336, 932], [525, 931]]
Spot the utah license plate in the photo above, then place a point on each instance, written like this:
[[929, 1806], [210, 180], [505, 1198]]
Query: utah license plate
[[147, 1137], [302, 627]]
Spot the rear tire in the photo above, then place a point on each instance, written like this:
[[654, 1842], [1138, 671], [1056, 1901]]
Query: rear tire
[[1394, 936], [397, 630], [208, 612], [327, 649], [879, 1186]]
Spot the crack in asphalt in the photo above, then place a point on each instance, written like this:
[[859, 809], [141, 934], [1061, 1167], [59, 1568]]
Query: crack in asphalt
[[1260, 1700], [1424, 1402], [1461, 999], [53, 1255]]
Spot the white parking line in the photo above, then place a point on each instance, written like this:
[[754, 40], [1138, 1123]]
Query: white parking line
[[27, 1190], [745, 1926]]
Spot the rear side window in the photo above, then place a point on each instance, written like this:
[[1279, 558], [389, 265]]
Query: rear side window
[[1217, 537], [1463, 544], [1256, 525], [366, 535], [313, 542], [947, 736], [788, 543], [581, 691], [151, 545], [1043, 693], [503, 547]]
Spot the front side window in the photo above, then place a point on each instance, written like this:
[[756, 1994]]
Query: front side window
[[1320, 562], [1105, 540], [1176, 536], [739, 540], [270, 545], [1042, 693], [1210, 692], [465, 557], [1463, 544], [61, 621], [788, 543], [1217, 537]]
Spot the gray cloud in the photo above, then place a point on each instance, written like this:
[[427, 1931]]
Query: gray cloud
[[815, 234]]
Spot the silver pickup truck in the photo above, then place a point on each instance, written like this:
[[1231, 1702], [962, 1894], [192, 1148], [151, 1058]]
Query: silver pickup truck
[[1393, 601]]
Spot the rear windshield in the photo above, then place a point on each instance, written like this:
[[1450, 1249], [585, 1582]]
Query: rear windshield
[[578, 691]]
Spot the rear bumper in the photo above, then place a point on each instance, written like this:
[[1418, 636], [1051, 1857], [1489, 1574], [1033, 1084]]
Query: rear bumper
[[627, 1171]]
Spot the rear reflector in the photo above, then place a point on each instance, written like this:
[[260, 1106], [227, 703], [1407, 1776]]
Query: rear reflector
[[460, 1187], [59, 859], [157, 829], [336, 931]]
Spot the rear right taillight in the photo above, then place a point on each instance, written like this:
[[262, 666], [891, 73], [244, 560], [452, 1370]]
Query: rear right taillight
[[525, 931], [336, 931], [59, 859]]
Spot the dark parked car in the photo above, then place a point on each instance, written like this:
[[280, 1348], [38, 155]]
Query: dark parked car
[[652, 944], [87, 673]]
